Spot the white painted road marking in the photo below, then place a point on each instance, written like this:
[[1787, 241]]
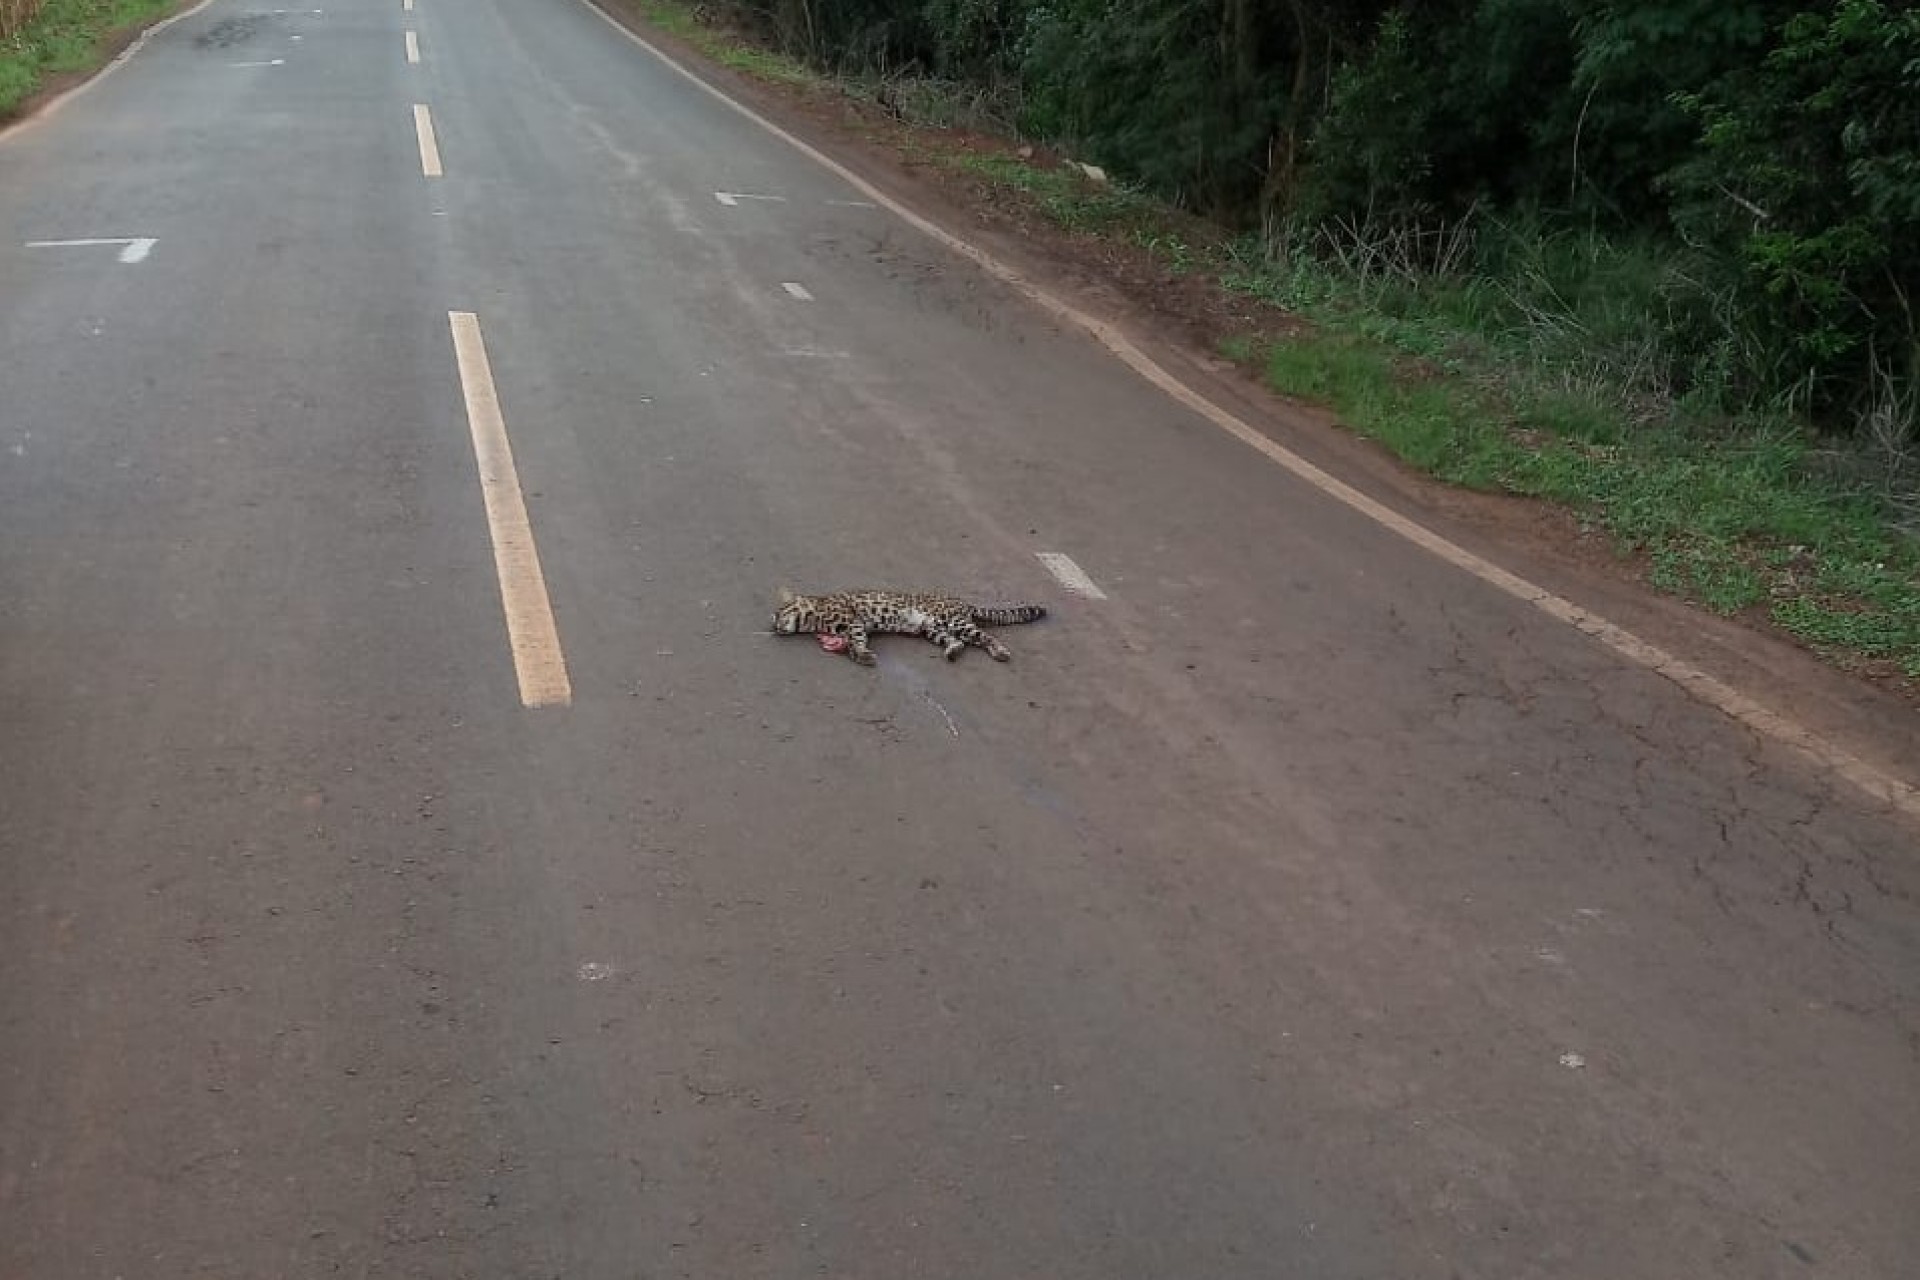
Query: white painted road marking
[[126, 55], [413, 47], [429, 146], [271, 62], [1867, 778], [537, 657], [797, 290], [1070, 575], [407, 5], [732, 199], [132, 248]]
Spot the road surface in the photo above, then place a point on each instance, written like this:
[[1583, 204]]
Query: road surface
[[1299, 906]]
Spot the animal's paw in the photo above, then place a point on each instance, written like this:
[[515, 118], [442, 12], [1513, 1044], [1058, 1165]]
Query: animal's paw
[[865, 659], [832, 643]]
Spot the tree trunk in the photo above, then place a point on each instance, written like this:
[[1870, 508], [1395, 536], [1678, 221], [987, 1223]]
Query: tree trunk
[[1283, 149]]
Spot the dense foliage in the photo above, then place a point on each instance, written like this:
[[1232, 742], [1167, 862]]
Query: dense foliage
[[1770, 148]]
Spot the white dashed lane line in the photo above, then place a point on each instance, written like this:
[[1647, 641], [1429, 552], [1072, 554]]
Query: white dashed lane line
[[413, 47], [797, 290], [732, 199], [1070, 575], [1871, 779], [429, 145]]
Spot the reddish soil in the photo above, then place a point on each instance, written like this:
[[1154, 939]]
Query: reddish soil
[[1193, 314], [1185, 318], [111, 46]]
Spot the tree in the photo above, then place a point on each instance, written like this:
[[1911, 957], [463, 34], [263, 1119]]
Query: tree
[[1807, 176]]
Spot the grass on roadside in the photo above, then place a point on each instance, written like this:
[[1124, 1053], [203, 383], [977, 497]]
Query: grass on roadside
[[679, 20], [1549, 379], [1730, 520], [65, 35], [1513, 359], [1541, 384]]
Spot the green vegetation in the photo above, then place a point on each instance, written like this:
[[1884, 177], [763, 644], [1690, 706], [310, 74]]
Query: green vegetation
[[1068, 199], [1762, 155], [59, 36], [1729, 520], [1656, 260], [1546, 380], [750, 59]]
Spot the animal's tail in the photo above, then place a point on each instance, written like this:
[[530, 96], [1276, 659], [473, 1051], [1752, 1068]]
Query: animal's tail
[[1006, 615]]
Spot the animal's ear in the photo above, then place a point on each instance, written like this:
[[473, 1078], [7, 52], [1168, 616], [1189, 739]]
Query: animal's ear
[[786, 595]]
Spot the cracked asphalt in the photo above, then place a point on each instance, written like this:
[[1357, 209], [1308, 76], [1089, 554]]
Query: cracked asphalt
[[1303, 908]]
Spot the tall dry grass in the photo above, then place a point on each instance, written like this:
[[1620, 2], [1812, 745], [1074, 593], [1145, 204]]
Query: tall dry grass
[[14, 15]]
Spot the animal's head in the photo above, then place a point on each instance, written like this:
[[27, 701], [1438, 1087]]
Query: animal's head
[[794, 615]]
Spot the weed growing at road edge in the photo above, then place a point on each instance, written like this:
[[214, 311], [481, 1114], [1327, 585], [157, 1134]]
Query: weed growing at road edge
[[764, 64], [1516, 361], [65, 35]]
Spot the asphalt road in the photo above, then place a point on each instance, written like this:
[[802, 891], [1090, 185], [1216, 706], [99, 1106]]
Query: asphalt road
[[1303, 908]]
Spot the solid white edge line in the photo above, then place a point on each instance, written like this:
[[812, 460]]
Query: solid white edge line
[[126, 55], [429, 145], [538, 661], [1867, 778], [1070, 575]]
